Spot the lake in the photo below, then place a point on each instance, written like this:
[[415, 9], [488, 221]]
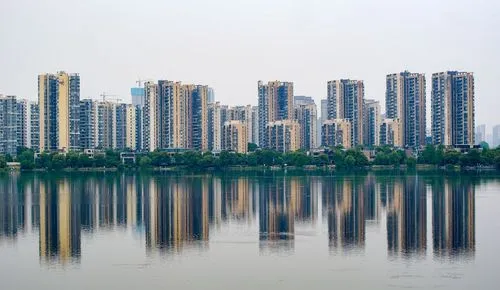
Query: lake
[[262, 230]]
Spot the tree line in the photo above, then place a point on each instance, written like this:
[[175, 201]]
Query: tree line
[[338, 156]]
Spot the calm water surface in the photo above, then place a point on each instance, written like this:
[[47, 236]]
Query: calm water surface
[[252, 231]]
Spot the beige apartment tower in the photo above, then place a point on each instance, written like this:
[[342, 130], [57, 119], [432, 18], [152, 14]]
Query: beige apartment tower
[[59, 106]]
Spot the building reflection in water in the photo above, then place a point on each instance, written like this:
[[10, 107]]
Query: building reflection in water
[[237, 200], [277, 208], [407, 217], [345, 213], [60, 226], [12, 218], [453, 218], [176, 213]]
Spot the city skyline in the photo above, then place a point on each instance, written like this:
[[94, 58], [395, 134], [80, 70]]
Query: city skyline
[[239, 47]]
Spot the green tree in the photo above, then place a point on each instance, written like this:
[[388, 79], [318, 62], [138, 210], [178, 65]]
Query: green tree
[[145, 162], [252, 147], [349, 162], [26, 158], [3, 162], [58, 162]]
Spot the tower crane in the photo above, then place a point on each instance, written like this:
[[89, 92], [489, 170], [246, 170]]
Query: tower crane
[[106, 96], [139, 82]]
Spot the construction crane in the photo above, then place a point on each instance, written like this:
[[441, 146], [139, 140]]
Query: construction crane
[[139, 82], [106, 97]]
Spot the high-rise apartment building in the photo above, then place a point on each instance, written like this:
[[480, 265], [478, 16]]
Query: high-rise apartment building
[[345, 101], [198, 122], [88, 124], [452, 108], [211, 96], [371, 123], [131, 127], [214, 133], [323, 118], [284, 135], [391, 133], [120, 133], [234, 136], [23, 124], [480, 133], [245, 115], [496, 136], [275, 104], [307, 116], [106, 125], [175, 116], [336, 132], [303, 100], [35, 126], [150, 131], [59, 109], [254, 137], [138, 128], [137, 96], [9, 115], [405, 100]]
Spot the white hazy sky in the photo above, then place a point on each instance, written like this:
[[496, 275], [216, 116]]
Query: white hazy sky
[[231, 44]]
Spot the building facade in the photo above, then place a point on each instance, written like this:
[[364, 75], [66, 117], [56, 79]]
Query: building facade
[[275, 101], [35, 126], [496, 136], [371, 123], [452, 108], [59, 109], [336, 132], [307, 116], [345, 101], [391, 133], [284, 136], [9, 115], [406, 100], [234, 137], [88, 124]]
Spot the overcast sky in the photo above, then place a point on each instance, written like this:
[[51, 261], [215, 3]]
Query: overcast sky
[[231, 44]]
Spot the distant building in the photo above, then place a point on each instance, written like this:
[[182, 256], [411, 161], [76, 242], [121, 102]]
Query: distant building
[[284, 136], [106, 125], [275, 104], [303, 100], [23, 124], [480, 133], [453, 108], [307, 116], [245, 115], [234, 137], [496, 136], [88, 124], [9, 114], [336, 132], [211, 96], [59, 108], [175, 116], [137, 96], [345, 101], [372, 117], [391, 133], [254, 137], [405, 100], [131, 127], [35, 126]]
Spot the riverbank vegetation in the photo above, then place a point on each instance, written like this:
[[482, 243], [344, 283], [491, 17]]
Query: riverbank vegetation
[[338, 157]]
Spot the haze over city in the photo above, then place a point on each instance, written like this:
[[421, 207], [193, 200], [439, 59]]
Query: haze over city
[[230, 45]]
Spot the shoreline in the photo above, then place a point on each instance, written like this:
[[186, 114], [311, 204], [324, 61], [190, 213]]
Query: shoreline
[[243, 168]]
